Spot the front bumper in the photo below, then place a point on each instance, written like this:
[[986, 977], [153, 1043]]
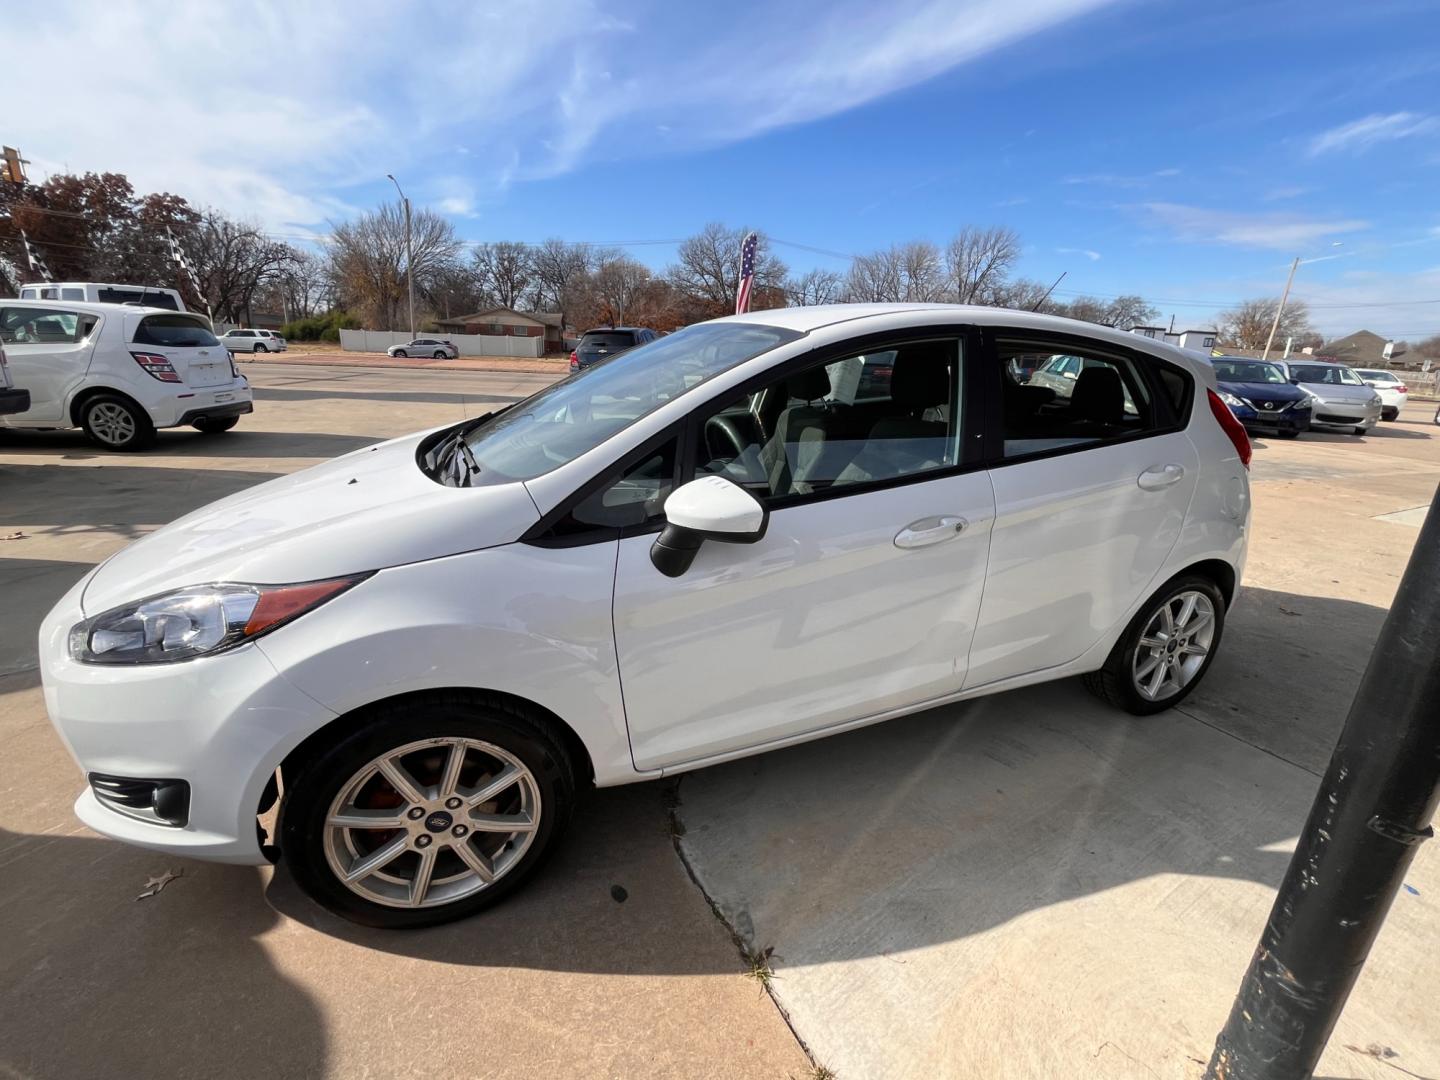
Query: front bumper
[[1291, 419], [1344, 414], [220, 724]]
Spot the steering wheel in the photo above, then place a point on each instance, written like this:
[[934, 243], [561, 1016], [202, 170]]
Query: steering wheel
[[722, 430]]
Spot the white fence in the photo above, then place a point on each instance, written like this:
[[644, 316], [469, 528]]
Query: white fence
[[468, 344]]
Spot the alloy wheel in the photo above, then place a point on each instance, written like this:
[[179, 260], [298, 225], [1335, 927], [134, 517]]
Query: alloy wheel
[[432, 822], [1174, 645], [111, 423]]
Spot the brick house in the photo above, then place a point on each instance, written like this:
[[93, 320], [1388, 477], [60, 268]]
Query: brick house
[[503, 322]]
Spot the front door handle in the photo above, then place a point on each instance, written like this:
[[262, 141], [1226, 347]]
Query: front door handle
[[931, 530], [1161, 476]]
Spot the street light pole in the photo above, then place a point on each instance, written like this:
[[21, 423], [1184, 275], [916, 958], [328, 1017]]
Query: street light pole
[[410, 257], [1372, 810], [1281, 309]]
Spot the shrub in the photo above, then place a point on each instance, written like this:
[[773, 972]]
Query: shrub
[[325, 327]]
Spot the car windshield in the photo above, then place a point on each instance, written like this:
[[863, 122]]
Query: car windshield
[[607, 341], [1333, 374], [1248, 371], [572, 417]]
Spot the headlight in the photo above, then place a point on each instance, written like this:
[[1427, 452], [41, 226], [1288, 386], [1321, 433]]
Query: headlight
[[1312, 398], [1231, 400], [1374, 399], [196, 621]]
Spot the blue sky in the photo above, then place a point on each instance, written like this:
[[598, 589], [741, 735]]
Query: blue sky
[[1182, 151]]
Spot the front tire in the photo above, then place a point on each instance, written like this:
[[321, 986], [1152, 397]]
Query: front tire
[[1358, 432], [1288, 434], [213, 425], [390, 828], [1166, 650], [116, 423]]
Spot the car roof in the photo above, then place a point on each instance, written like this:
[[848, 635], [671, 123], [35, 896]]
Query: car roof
[[806, 319], [614, 329], [95, 307]]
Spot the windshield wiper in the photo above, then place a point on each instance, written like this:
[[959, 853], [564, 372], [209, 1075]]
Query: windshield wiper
[[452, 462]]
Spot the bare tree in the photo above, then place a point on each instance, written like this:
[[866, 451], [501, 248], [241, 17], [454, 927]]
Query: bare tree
[[1122, 312], [978, 261], [505, 271], [232, 260], [1248, 324], [815, 287], [560, 268], [903, 273], [873, 279], [708, 269], [618, 281], [304, 280], [367, 258]]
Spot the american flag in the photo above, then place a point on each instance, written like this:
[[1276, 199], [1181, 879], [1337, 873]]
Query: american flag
[[747, 273], [33, 258]]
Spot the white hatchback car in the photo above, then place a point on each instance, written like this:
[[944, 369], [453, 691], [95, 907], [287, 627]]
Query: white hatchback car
[[721, 542], [119, 371]]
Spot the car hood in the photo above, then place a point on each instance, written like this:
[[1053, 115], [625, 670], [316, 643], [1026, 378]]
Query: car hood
[[367, 510], [1340, 392], [1262, 391]]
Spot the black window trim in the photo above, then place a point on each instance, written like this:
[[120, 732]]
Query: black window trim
[[685, 429], [1169, 419]]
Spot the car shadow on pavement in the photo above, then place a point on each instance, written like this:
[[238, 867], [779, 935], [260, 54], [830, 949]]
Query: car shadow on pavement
[[112, 498], [938, 826], [95, 982], [73, 445]]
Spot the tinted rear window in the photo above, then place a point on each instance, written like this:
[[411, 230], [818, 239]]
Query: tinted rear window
[[607, 341], [183, 331]]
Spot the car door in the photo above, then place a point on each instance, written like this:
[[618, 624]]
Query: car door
[[1091, 491], [49, 352], [862, 595]]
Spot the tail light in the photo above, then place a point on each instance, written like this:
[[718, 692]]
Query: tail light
[[158, 367], [1231, 427], [1402, 388], [574, 362]]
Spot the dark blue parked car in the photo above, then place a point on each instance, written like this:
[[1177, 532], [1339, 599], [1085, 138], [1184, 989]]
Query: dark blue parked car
[[601, 344], [1261, 397]]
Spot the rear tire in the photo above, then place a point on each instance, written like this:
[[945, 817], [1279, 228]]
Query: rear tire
[[214, 425], [441, 355], [116, 423], [1119, 682], [501, 737], [260, 348]]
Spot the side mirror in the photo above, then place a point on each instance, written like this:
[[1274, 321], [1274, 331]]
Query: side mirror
[[707, 508]]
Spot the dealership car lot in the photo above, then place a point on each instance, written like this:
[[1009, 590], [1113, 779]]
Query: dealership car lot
[[917, 875]]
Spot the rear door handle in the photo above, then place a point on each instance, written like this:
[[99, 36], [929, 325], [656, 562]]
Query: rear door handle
[[1161, 476], [931, 530]]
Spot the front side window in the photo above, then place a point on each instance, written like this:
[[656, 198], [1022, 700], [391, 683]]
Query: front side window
[[876, 416], [576, 415], [42, 326], [636, 498], [1073, 399]]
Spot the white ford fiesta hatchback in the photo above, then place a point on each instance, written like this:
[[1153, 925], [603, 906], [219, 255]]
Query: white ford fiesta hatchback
[[755, 531]]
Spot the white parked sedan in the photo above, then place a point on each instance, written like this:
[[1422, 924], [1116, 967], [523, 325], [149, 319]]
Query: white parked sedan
[[721, 542], [1393, 393]]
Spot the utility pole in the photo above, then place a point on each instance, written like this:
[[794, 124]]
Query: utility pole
[[1372, 811], [409, 256], [1281, 309]]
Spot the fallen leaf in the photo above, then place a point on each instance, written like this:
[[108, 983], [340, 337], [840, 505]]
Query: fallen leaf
[[155, 884]]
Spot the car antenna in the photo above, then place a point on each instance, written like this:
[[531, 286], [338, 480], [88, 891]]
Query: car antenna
[[1049, 291]]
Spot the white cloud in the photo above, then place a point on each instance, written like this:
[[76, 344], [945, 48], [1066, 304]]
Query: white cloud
[[350, 91], [1093, 256], [1279, 232], [1293, 191], [1122, 180], [1014, 200], [1376, 128]]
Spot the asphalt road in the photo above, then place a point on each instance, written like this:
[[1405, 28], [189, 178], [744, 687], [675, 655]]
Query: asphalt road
[[1026, 885]]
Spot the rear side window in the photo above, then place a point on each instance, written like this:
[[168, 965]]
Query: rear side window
[[1072, 399], [43, 326], [177, 331]]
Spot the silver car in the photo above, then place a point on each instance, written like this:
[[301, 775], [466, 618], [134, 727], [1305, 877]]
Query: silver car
[[1339, 399]]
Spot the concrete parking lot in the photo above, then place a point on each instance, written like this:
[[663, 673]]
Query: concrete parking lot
[[1025, 885]]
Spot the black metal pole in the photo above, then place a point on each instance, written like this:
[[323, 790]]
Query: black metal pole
[[1373, 808]]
